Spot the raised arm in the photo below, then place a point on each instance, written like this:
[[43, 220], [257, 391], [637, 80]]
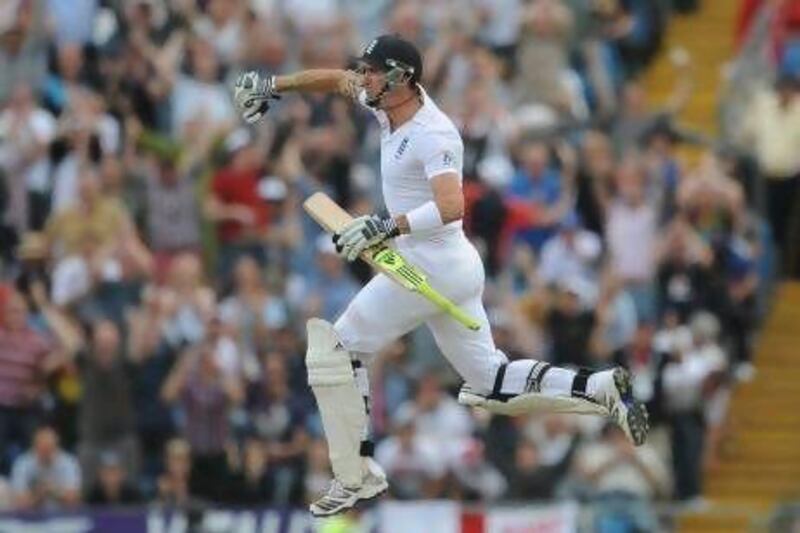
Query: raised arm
[[345, 82], [176, 381], [253, 92]]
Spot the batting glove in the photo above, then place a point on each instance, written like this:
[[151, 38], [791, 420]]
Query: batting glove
[[252, 94], [362, 233]]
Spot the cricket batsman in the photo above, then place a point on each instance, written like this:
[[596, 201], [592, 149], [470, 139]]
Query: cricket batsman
[[421, 161]]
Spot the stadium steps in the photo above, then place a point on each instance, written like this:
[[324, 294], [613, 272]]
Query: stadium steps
[[708, 37], [720, 522], [760, 459]]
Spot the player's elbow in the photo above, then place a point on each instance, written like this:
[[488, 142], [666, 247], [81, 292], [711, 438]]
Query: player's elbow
[[451, 209]]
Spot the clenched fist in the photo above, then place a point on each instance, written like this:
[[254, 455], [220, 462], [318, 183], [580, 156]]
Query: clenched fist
[[252, 93]]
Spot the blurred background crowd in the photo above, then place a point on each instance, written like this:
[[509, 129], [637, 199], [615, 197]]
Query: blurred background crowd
[[156, 270]]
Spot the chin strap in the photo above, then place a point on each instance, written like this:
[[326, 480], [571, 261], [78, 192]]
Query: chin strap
[[374, 101], [397, 74]]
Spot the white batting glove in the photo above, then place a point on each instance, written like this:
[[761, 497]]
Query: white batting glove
[[362, 233], [252, 94]]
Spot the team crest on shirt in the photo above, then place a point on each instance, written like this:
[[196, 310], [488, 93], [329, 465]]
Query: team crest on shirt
[[402, 148]]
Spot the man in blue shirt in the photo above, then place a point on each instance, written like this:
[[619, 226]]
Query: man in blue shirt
[[46, 477], [537, 184]]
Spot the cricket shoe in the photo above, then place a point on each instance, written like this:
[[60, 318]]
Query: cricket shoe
[[615, 392], [339, 498]]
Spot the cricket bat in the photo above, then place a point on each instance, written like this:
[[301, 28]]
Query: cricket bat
[[333, 218]]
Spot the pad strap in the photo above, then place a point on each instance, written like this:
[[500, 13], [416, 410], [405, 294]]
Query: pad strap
[[534, 381], [498, 385], [367, 448], [579, 383]]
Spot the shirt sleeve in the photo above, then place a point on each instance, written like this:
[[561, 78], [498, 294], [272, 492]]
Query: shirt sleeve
[[44, 346], [440, 153], [69, 474], [21, 474], [44, 126], [550, 263], [218, 186]]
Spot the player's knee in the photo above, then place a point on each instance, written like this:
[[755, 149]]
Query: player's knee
[[352, 329], [327, 361], [321, 334]]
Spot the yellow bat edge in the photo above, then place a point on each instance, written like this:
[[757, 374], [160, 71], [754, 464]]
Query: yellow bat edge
[[449, 307], [333, 218]]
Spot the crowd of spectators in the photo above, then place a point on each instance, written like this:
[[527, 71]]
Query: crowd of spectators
[[157, 270]]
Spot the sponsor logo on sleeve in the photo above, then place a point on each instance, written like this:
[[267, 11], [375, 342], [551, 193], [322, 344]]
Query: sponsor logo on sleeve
[[448, 158]]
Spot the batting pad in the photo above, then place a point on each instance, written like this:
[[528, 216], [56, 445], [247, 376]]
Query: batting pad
[[341, 406], [533, 403]]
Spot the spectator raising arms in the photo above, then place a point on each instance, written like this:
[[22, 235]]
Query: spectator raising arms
[[207, 396], [27, 357]]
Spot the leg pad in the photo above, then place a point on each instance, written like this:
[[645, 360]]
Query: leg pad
[[341, 405]]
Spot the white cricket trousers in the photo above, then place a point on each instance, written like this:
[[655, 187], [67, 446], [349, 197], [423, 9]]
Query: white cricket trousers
[[383, 311]]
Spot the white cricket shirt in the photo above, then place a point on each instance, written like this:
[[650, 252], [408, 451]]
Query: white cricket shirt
[[422, 148]]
